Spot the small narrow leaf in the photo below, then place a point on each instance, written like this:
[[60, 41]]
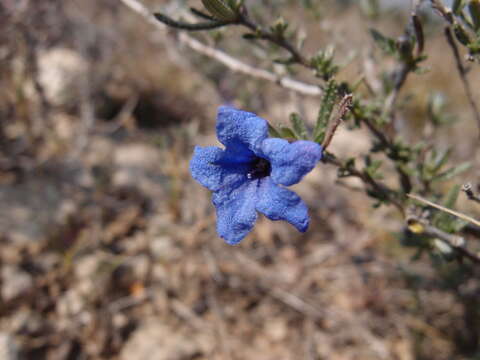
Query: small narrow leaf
[[220, 10], [458, 6], [273, 131], [452, 172], [461, 34], [385, 43], [442, 219], [299, 126], [288, 133], [326, 108], [474, 8]]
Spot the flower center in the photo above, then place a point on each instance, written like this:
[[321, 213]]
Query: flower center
[[260, 168]]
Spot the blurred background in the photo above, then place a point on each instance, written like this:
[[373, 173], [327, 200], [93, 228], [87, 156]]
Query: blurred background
[[108, 247]]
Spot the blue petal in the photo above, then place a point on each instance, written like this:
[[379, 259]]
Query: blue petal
[[236, 213], [240, 131], [290, 161], [214, 169], [278, 203]]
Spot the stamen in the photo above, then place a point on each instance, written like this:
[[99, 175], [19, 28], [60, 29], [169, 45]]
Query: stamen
[[260, 168]]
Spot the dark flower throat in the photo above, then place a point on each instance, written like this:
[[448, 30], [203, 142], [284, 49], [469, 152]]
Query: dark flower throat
[[260, 169]]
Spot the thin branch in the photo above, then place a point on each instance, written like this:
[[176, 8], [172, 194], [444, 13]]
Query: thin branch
[[229, 61], [467, 189], [418, 28], [388, 143], [445, 12], [400, 77], [455, 242], [344, 108], [407, 64], [380, 188], [279, 41], [444, 209], [463, 75]]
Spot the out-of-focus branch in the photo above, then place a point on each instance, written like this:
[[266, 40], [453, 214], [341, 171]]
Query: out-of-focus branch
[[279, 41], [444, 209], [222, 57], [241, 67], [463, 75], [380, 188], [383, 138], [467, 189], [445, 12], [455, 242]]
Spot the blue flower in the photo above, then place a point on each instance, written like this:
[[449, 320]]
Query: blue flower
[[249, 174]]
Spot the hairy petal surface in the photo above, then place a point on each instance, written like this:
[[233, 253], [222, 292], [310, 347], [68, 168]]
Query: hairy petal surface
[[236, 213], [278, 203], [290, 161], [214, 169], [240, 131]]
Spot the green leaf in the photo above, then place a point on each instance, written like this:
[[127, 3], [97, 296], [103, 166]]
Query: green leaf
[[474, 8], [385, 43], [371, 8], [323, 63], [287, 133], [345, 170], [372, 167], [437, 110], [279, 28], [458, 5], [326, 108], [440, 159], [220, 10], [443, 220], [298, 126], [461, 34], [452, 196], [273, 132], [452, 172], [250, 36]]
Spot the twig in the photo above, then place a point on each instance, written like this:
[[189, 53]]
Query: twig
[[467, 189], [407, 65], [447, 210], [463, 75], [399, 78], [279, 41], [417, 27], [393, 154], [386, 192], [344, 107], [229, 61], [238, 66], [445, 12], [453, 241]]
